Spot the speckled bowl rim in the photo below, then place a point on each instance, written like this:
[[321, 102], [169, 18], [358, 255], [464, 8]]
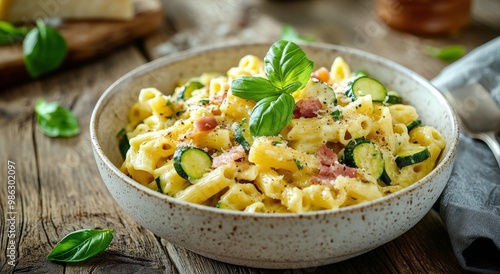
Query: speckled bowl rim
[[445, 160]]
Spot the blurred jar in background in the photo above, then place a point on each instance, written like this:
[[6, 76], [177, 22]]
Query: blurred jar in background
[[425, 17]]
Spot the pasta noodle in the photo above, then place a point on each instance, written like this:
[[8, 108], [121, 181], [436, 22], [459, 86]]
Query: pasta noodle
[[286, 173]]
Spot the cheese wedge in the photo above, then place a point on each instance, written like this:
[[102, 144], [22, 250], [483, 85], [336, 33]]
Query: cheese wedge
[[29, 10]]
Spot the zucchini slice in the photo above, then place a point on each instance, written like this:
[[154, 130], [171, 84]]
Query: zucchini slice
[[191, 162], [242, 135], [386, 178], [365, 154], [159, 185], [413, 125], [412, 155], [360, 73], [365, 85], [393, 98], [186, 91], [123, 142]]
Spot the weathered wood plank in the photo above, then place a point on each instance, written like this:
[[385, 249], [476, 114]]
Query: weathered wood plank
[[59, 188]]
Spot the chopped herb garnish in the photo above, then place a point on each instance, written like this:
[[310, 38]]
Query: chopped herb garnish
[[299, 164], [336, 115], [204, 101]]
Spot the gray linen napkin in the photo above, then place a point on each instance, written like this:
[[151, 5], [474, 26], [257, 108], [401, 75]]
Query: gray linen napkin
[[470, 203]]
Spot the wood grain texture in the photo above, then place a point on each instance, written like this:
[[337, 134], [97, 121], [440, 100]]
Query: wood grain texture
[[59, 189]]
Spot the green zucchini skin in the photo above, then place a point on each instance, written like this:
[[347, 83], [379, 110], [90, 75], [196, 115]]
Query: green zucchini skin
[[191, 163], [393, 98], [186, 91], [158, 184], [386, 179], [363, 153], [413, 125], [365, 85], [242, 135], [413, 156]]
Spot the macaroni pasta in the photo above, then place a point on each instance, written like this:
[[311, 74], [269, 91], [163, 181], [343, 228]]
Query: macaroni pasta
[[284, 173]]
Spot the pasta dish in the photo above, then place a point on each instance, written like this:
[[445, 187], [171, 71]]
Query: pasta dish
[[258, 138]]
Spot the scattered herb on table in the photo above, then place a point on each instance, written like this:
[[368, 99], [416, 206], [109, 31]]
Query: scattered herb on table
[[287, 69], [447, 54], [11, 34], [289, 33], [44, 49], [55, 120], [81, 245]]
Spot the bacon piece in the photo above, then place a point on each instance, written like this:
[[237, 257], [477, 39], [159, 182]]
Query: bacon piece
[[233, 154], [327, 156], [330, 167], [307, 108], [205, 124]]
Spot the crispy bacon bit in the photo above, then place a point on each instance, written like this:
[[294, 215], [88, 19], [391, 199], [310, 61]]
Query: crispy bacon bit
[[322, 74], [235, 153], [205, 123], [330, 167], [307, 108]]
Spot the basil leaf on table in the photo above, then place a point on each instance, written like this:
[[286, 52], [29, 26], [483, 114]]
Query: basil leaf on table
[[44, 49], [81, 245], [271, 114], [10, 34], [287, 69], [54, 120], [289, 33], [447, 54]]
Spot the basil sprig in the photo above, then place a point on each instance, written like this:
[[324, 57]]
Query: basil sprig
[[54, 120], [44, 49], [81, 245], [287, 69]]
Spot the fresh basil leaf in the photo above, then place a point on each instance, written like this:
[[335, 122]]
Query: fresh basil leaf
[[289, 33], [81, 245], [447, 54], [10, 34], [253, 88], [44, 49], [54, 120], [271, 114], [286, 63]]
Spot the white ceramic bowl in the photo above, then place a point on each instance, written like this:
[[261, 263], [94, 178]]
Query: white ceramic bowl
[[270, 240]]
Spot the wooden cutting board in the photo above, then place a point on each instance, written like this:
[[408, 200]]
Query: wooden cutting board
[[86, 39]]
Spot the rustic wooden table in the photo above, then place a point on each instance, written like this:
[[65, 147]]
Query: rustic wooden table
[[58, 188]]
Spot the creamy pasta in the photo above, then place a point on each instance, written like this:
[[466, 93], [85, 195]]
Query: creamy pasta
[[304, 168]]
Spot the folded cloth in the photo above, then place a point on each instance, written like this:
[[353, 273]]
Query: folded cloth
[[470, 203]]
